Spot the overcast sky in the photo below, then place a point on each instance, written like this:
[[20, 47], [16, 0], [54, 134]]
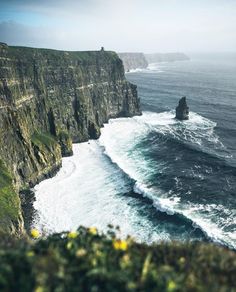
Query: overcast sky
[[120, 25]]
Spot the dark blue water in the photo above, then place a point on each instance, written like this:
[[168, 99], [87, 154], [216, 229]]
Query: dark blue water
[[156, 177], [196, 164]]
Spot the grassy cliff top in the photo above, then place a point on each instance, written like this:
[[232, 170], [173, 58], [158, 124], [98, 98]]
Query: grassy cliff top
[[82, 56], [87, 261]]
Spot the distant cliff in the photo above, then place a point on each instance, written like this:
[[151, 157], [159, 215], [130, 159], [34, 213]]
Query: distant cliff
[[49, 99], [140, 61], [133, 61], [165, 57]]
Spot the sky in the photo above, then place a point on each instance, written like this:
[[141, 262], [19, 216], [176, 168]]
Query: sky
[[121, 25]]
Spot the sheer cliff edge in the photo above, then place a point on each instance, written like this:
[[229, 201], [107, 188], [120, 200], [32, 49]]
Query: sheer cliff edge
[[50, 99]]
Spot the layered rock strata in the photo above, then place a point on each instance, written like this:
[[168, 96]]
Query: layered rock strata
[[49, 99]]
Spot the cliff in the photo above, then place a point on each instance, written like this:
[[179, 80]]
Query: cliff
[[49, 99], [133, 61], [165, 57]]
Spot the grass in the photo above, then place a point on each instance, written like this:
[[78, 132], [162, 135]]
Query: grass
[[57, 56], [43, 139], [9, 200], [5, 177], [63, 135], [87, 261]]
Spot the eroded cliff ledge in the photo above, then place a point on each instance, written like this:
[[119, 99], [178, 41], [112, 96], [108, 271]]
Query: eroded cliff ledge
[[49, 99]]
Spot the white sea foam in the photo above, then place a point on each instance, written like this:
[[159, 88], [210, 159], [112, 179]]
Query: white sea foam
[[157, 67], [119, 138], [152, 68], [173, 206], [88, 189], [137, 70]]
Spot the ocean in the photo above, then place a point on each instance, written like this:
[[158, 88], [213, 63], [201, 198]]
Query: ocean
[[157, 178]]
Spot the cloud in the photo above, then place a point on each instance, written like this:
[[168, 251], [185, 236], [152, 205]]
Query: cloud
[[125, 25], [18, 34]]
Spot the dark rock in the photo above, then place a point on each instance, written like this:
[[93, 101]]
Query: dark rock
[[182, 110], [27, 198], [49, 99]]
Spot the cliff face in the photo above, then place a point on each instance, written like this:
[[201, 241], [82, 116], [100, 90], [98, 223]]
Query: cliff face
[[49, 99], [133, 61]]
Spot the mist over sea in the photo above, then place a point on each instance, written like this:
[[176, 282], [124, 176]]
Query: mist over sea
[[156, 177]]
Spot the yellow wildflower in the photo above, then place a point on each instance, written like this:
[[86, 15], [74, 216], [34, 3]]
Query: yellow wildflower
[[171, 286], [72, 234], [30, 253], [35, 233], [131, 286], [81, 252], [182, 260], [120, 244], [69, 245], [39, 289], [93, 230]]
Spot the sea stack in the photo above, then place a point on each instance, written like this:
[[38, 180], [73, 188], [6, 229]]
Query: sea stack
[[182, 110]]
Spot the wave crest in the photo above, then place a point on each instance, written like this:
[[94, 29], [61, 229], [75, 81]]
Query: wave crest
[[120, 139]]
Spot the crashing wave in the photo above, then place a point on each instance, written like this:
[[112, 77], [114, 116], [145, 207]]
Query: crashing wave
[[198, 132]]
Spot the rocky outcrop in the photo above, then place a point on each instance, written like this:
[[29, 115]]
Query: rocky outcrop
[[49, 99], [165, 57], [133, 61], [182, 110]]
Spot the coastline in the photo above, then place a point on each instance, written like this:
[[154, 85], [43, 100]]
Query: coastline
[[38, 129], [140, 192], [27, 196]]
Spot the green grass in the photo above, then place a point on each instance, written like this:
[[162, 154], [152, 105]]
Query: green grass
[[9, 200], [43, 139], [59, 57], [5, 177], [64, 135], [86, 261]]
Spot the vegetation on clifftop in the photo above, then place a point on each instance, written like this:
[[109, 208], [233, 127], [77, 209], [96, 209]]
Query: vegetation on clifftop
[[87, 261], [85, 57]]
